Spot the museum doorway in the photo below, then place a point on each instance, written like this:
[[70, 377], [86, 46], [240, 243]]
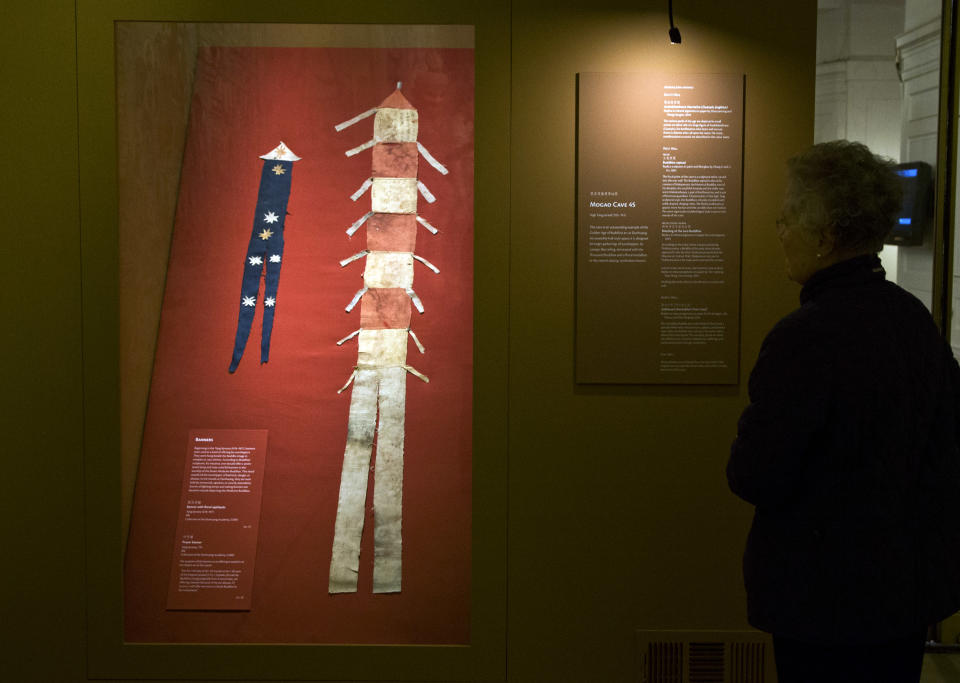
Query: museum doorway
[[886, 76]]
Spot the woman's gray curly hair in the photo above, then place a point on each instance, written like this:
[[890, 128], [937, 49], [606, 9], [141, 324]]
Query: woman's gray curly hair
[[842, 187]]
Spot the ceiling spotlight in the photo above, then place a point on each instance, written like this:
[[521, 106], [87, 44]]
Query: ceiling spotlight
[[674, 31]]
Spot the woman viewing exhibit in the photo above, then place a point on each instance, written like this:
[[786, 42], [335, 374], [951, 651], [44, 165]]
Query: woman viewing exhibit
[[849, 448]]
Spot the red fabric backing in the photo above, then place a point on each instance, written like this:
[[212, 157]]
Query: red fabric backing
[[247, 100]]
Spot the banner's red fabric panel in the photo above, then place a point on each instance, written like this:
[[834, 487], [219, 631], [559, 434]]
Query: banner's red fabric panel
[[246, 100]]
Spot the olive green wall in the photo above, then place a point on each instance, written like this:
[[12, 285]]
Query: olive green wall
[[618, 518], [41, 483]]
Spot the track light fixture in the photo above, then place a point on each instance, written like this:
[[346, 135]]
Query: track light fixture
[[674, 31]]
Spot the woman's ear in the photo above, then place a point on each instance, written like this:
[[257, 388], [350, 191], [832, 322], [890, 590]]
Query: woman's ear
[[827, 243]]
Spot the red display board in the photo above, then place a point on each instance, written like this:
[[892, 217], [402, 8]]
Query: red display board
[[247, 100]]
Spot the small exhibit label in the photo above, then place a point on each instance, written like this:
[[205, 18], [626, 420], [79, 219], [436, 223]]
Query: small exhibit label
[[219, 517]]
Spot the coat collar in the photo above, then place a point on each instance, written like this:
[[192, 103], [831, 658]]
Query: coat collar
[[855, 271]]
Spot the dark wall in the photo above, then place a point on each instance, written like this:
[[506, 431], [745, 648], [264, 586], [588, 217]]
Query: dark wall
[[619, 516]]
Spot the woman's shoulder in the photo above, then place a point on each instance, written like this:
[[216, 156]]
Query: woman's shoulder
[[805, 321], [877, 318], [891, 292]]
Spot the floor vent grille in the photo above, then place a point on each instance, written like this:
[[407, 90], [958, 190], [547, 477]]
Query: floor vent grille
[[706, 663], [747, 662], [666, 662], [704, 657]]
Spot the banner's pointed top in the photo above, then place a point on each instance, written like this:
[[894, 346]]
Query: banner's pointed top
[[396, 100], [281, 153]]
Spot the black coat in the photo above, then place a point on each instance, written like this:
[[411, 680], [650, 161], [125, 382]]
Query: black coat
[[849, 451]]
